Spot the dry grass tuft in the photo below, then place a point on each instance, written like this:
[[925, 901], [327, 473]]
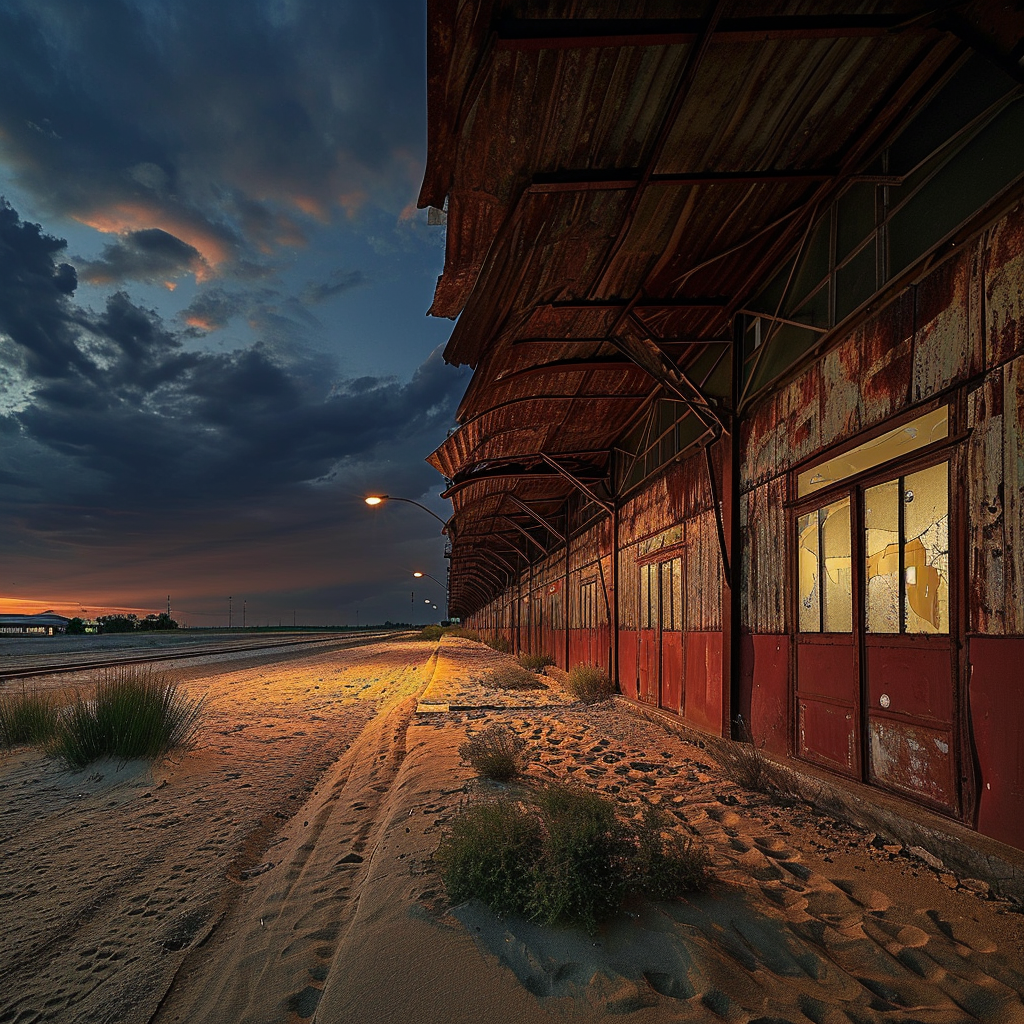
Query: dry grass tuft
[[590, 684], [496, 753], [511, 677]]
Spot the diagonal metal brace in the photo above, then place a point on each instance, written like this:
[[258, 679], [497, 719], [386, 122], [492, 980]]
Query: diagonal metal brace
[[578, 484], [536, 516], [526, 534]]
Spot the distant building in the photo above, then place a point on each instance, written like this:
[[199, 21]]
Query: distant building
[[44, 624]]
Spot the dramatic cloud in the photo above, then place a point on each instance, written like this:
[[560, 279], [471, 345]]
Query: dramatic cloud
[[150, 255], [226, 125]]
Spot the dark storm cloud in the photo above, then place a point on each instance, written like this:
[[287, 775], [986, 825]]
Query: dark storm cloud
[[151, 427], [149, 255], [340, 281], [223, 124]]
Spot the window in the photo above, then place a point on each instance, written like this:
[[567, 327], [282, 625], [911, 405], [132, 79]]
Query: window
[[906, 571], [825, 569], [960, 152]]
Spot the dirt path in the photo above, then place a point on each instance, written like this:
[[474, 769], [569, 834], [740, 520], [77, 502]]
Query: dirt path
[[281, 873]]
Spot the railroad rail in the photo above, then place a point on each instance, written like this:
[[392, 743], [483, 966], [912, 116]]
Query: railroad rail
[[55, 665]]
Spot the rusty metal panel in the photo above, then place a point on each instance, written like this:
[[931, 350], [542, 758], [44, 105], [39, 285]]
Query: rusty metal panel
[[702, 696], [1004, 289], [841, 373], [1013, 494], [629, 672], [943, 341], [764, 565], [827, 734], [910, 676], [887, 340], [986, 524], [766, 663], [997, 697], [671, 693], [647, 662], [914, 758], [702, 575]]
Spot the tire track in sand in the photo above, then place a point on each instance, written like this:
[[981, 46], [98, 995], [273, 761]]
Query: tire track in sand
[[267, 959]]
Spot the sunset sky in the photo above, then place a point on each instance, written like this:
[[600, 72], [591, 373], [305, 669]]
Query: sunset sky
[[213, 286]]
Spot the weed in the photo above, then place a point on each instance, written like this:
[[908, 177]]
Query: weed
[[589, 684], [27, 717], [535, 662], [489, 853], [495, 753], [566, 856], [744, 762], [135, 712], [499, 643], [511, 677], [665, 863]]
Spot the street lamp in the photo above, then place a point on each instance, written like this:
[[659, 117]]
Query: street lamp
[[374, 500]]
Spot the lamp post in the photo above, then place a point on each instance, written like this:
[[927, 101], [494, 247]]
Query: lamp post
[[426, 575], [373, 500]]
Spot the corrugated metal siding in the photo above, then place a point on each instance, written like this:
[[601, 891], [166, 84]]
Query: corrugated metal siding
[[764, 558]]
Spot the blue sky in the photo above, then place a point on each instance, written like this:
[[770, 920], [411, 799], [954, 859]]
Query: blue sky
[[213, 287]]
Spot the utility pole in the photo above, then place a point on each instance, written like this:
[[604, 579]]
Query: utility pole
[[168, 606], [412, 607], [244, 602], [229, 611]]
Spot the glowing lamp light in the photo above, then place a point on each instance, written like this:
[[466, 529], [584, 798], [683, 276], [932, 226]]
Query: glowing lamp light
[[418, 575], [376, 499]]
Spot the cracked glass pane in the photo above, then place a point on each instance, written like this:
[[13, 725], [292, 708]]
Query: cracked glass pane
[[837, 568], [807, 562], [882, 557], [926, 550]]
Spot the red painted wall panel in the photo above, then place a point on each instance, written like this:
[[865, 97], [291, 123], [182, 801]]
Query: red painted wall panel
[[997, 714], [702, 702], [629, 680], [671, 671], [648, 666], [916, 678], [769, 690]]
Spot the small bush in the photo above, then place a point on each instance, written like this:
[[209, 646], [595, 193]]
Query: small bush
[[511, 677], [135, 712], [466, 634], [743, 761], [580, 877], [500, 644], [431, 633], [666, 864], [27, 717], [496, 753], [590, 684], [490, 853], [566, 857], [535, 662]]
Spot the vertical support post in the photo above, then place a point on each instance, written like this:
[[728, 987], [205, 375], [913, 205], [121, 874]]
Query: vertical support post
[[566, 600], [613, 625], [732, 587]]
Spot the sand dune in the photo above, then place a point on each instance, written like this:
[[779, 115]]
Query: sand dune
[[281, 872]]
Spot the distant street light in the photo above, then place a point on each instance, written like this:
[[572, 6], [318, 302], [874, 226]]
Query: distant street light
[[378, 499]]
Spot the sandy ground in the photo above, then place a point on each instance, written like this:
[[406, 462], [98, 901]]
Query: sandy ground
[[281, 872]]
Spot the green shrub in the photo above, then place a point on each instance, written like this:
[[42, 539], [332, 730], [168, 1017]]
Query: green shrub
[[135, 712], [500, 644], [589, 684], [490, 853], [511, 677], [27, 717], [665, 864], [535, 662], [431, 633], [581, 877], [496, 753], [565, 857], [466, 634]]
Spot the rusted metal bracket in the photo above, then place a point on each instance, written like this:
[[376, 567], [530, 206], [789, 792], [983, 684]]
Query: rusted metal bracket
[[535, 515], [577, 483], [649, 357], [526, 533], [719, 523]]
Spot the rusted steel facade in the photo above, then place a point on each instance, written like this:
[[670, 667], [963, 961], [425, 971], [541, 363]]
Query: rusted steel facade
[[744, 296]]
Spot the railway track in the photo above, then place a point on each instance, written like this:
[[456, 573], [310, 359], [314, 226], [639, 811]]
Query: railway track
[[55, 665]]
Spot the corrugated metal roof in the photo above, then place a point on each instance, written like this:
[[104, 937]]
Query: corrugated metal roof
[[619, 177]]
